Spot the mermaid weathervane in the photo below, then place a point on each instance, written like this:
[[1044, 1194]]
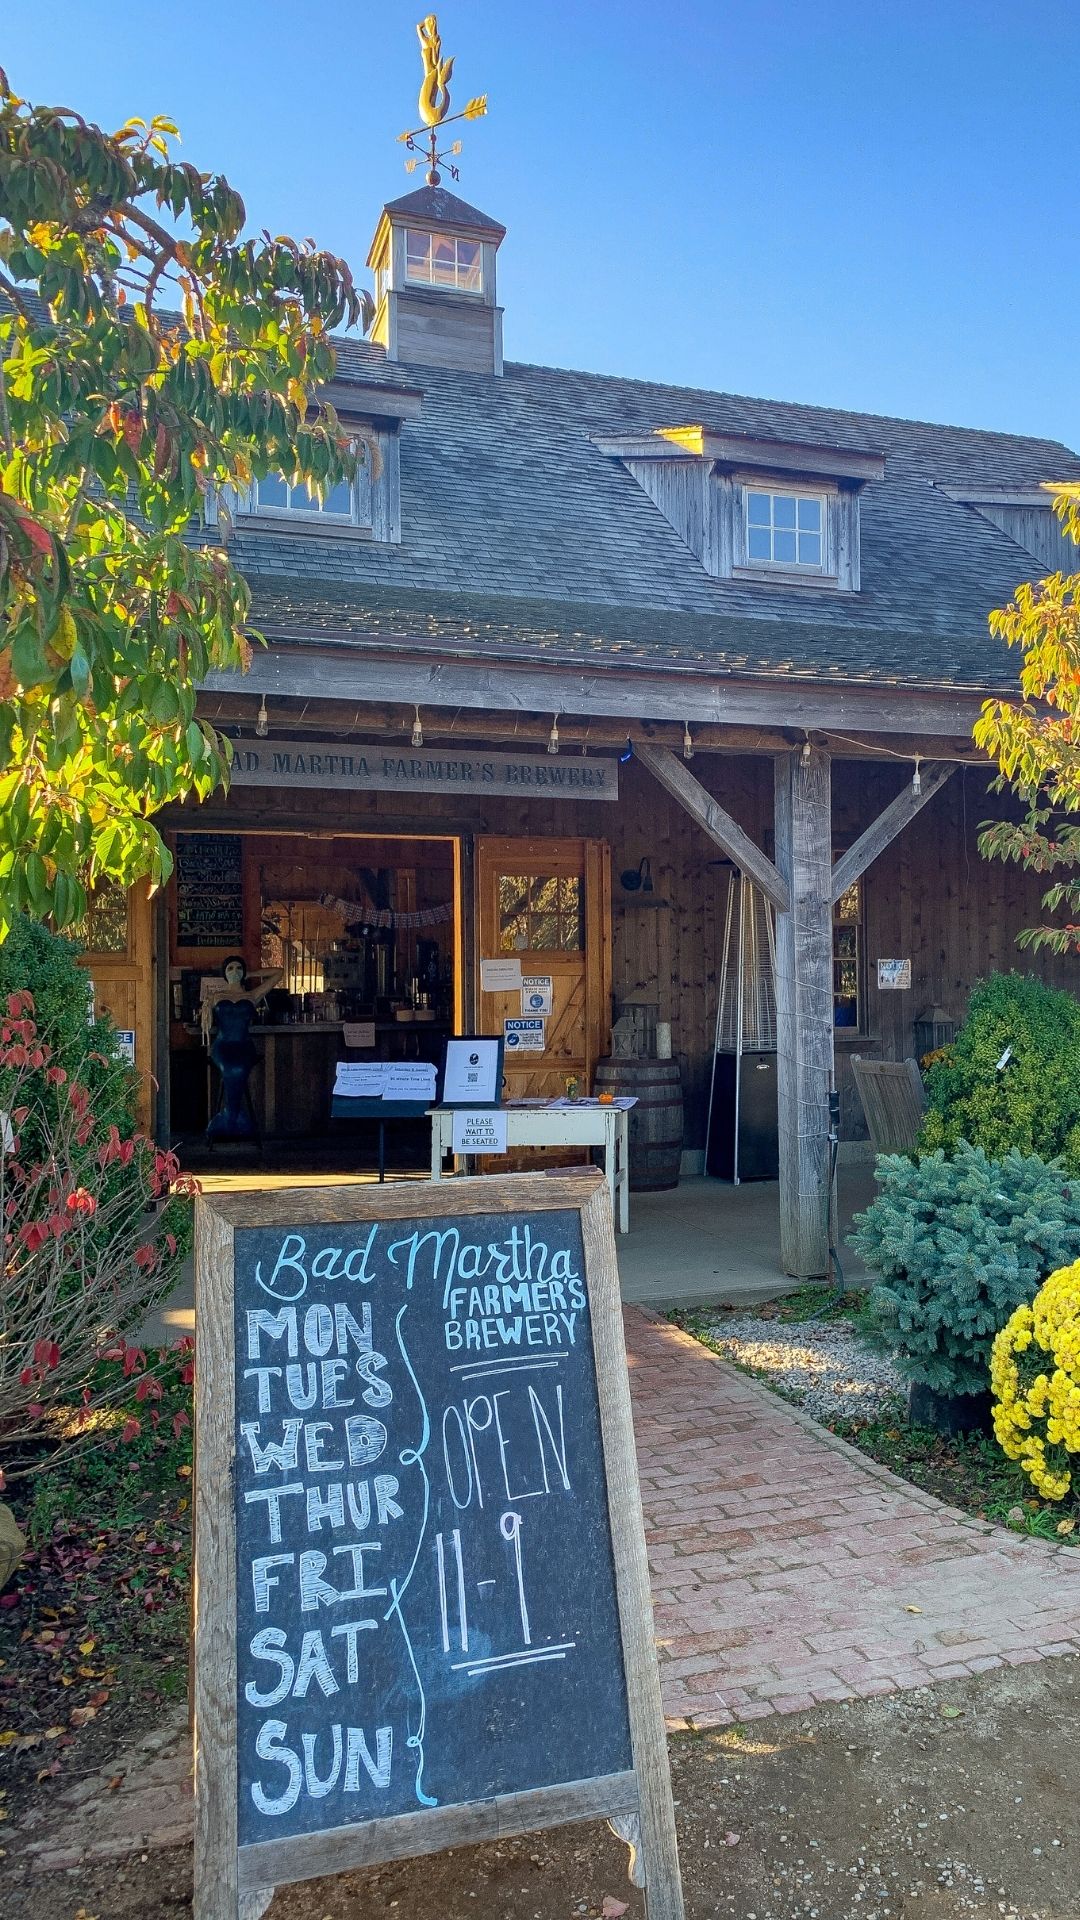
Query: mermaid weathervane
[[434, 105]]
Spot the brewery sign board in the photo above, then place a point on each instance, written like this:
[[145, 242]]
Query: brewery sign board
[[360, 768], [423, 1614]]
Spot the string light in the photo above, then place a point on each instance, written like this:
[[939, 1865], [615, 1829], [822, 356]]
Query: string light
[[417, 729], [262, 720], [916, 778], [687, 742], [553, 736], [627, 752], [806, 751]]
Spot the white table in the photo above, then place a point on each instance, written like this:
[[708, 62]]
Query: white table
[[606, 1127]]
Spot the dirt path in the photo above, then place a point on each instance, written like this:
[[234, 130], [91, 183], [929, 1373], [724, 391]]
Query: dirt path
[[960, 1802]]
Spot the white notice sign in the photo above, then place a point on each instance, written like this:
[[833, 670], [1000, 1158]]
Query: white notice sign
[[359, 1079], [894, 974], [408, 1080], [359, 1033], [523, 1036], [483, 1132], [500, 976], [536, 992]]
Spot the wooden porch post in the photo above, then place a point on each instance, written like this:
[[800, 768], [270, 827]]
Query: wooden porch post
[[804, 1008]]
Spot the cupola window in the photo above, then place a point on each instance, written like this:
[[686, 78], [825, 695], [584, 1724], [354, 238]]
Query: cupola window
[[784, 529], [443, 260]]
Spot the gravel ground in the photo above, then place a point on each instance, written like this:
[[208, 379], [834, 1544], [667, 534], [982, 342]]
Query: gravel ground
[[956, 1802], [823, 1364]]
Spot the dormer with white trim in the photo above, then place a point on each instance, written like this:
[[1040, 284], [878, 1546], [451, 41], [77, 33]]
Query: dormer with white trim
[[764, 511]]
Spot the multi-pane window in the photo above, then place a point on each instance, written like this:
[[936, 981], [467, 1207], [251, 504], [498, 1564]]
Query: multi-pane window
[[442, 260], [347, 503], [275, 494], [847, 959], [540, 913], [104, 926], [785, 529]]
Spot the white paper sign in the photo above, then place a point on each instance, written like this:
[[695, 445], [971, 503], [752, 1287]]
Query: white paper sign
[[536, 992], [523, 1036], [409, 1080], [472, 1071], [125, 1043], [500, 976], [360, 1079], [894, 973], [483, 1132], [359, 1033]]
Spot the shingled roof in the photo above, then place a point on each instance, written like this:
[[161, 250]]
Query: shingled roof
[[521, 538]]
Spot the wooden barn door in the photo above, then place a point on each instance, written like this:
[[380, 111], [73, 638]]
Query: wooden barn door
[[548, 904]]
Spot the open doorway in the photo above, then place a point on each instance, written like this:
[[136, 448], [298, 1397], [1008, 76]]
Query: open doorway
[[354, 943]]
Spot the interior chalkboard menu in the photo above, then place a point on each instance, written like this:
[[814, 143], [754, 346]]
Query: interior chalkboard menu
[[209, 898], [423, 1607]]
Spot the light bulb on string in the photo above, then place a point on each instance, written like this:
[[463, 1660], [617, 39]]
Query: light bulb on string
[[687, 742], [262, 720], [417, 729], [553, 736], [916, 778]]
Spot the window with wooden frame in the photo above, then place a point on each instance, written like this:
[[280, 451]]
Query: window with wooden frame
[[347, 504], [105, 927], [847, 957], [785, 530], [443, 260], [541, 913]]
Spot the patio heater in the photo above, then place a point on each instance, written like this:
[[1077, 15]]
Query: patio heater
[[742, 1140]]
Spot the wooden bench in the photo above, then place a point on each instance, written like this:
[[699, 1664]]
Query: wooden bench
[[893, 1100]]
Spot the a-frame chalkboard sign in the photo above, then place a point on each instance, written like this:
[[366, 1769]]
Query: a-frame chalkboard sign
[[423, 1613]]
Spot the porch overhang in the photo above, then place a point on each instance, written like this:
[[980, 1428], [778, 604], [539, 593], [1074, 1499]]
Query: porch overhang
[[360, 670]]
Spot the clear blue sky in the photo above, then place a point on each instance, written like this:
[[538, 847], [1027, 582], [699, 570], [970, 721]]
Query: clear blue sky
[[863, 203]]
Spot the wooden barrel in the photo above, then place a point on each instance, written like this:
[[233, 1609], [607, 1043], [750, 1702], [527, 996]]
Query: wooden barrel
[[656, 1123]]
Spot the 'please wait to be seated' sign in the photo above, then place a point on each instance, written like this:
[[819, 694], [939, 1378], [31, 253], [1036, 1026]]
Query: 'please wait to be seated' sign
[[423, 1614]]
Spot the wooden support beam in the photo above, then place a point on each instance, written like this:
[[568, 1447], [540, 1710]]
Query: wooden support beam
[[714, 820], [882, 831], [804, 1009], [356, 670]]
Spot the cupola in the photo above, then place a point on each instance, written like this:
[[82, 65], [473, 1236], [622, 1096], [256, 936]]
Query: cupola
[[433, 257]]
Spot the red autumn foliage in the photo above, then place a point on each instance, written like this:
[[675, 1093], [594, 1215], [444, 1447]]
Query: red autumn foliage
[[84, 1258]]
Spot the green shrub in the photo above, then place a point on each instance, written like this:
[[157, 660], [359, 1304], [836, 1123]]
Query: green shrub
[[958, 1244], [1032, 1104]]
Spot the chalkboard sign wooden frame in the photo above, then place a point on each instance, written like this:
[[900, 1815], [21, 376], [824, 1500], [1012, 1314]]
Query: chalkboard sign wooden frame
[[231, 1877]]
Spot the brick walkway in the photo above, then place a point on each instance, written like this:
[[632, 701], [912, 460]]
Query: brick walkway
[[787, 1570]]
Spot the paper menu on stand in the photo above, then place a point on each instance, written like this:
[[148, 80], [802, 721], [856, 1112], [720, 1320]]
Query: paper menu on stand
[[408, 1080], [360, 1079]]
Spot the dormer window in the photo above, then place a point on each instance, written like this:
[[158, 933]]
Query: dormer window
[[443, 260], [785, 529], [347, 504], [769, 513]]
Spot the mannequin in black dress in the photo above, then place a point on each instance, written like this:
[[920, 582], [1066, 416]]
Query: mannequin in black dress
[[232, 1049]]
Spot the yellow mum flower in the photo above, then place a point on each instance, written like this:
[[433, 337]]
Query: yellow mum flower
[[1036, 1414]]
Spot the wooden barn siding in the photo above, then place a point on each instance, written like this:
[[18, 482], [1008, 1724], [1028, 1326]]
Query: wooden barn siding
[[1041, 532], [929, 896]]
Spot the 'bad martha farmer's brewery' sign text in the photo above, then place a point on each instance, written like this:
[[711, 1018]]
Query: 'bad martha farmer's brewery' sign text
[[421, 1569], [307, 763]]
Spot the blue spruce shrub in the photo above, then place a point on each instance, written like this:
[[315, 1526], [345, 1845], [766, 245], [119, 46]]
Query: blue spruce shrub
[[959, 1243]]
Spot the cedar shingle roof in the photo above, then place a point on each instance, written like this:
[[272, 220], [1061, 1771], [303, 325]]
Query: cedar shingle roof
[[519, 537]]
